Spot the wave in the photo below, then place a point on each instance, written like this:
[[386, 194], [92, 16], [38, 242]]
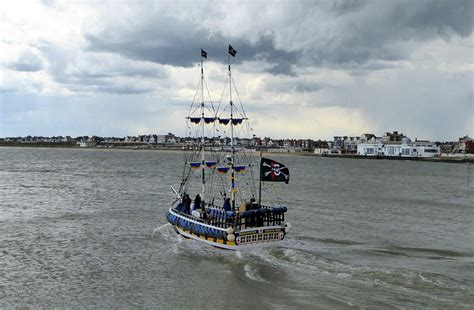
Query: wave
[[437, 252], [327, 240], [251, 272]]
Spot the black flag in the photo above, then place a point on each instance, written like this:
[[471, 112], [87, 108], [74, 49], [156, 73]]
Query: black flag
[[203, 53], [273, 171], [232, 52]]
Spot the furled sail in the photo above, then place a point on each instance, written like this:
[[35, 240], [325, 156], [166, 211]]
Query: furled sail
[[235, 121], [223, 170], [211, 164], [195, 165]]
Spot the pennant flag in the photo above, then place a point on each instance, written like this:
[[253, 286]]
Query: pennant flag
[[195, 165], [203, 53], [273, 171], [222, 170], [232, 52]]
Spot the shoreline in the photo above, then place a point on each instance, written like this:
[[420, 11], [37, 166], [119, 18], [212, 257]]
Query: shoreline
[[141, 147]]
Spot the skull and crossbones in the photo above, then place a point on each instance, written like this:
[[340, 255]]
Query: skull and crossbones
[[275, 170]]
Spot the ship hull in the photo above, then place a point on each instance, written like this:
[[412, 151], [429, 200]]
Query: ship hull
[[254, 237]]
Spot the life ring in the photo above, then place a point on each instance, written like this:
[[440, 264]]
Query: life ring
[[237, 240]]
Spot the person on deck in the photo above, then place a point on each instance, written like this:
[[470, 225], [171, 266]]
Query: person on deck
[[253, 204], [197, 202], [227, 206], [187, 204], [204, 214]]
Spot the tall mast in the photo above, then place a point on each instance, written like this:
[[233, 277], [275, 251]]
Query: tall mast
[[232, 176], [202, 124]]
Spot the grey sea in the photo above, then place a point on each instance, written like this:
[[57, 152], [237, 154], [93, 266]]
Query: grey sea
[[86, 228]]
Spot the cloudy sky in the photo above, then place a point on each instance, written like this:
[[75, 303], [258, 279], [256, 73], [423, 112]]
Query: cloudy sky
[[304, 69]]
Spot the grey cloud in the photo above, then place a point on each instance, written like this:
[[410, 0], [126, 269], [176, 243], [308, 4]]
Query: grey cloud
[[283, 68], [371, 31], [308, 87], [110, 88], [360, 34], [182, 38], [294, 85], [444, 16], [347, 6], [94, 72], [6, 89], [27, 61]]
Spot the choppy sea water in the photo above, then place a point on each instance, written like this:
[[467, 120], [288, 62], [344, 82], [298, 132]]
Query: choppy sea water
[[86, 228]]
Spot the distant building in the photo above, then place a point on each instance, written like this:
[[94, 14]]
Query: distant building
[[394, 136], [321, 151], [86, 144], [465, 145], [168, 138], [344, 144], [404, 148], [367, 137]]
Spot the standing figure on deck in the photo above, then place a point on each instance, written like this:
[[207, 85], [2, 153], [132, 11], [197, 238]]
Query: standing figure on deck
[[197, 202], [187, 204], [227, 206]]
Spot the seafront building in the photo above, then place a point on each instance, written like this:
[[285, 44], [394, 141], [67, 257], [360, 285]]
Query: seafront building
[[404, 148], [390, 144]]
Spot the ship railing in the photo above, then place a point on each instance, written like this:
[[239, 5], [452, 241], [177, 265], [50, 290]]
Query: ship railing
[[262, 216], [214, 215]]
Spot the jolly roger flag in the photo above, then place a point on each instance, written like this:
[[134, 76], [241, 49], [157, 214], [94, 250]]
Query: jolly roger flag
[[232, 51], [203, 53], [273, 171]]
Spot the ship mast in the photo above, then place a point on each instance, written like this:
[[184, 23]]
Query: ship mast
[[232, 176], [202, 124]]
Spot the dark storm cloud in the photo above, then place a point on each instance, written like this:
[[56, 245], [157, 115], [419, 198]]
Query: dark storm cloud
[[171, 41], [347, 6], [445, 17], [366, 33]]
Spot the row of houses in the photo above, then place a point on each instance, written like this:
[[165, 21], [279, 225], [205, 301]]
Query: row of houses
[[389, 144], [54, 139], [404, 148], [395, 144]]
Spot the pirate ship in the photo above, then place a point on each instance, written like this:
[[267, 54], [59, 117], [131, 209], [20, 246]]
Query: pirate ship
[[227, 211]]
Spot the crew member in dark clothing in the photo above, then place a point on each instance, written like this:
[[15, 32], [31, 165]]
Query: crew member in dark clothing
[[197, 202], [227, 206], [204, 213], [187, 204], [253, 204]]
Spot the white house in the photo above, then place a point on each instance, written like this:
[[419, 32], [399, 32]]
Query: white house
[[405, 148]]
